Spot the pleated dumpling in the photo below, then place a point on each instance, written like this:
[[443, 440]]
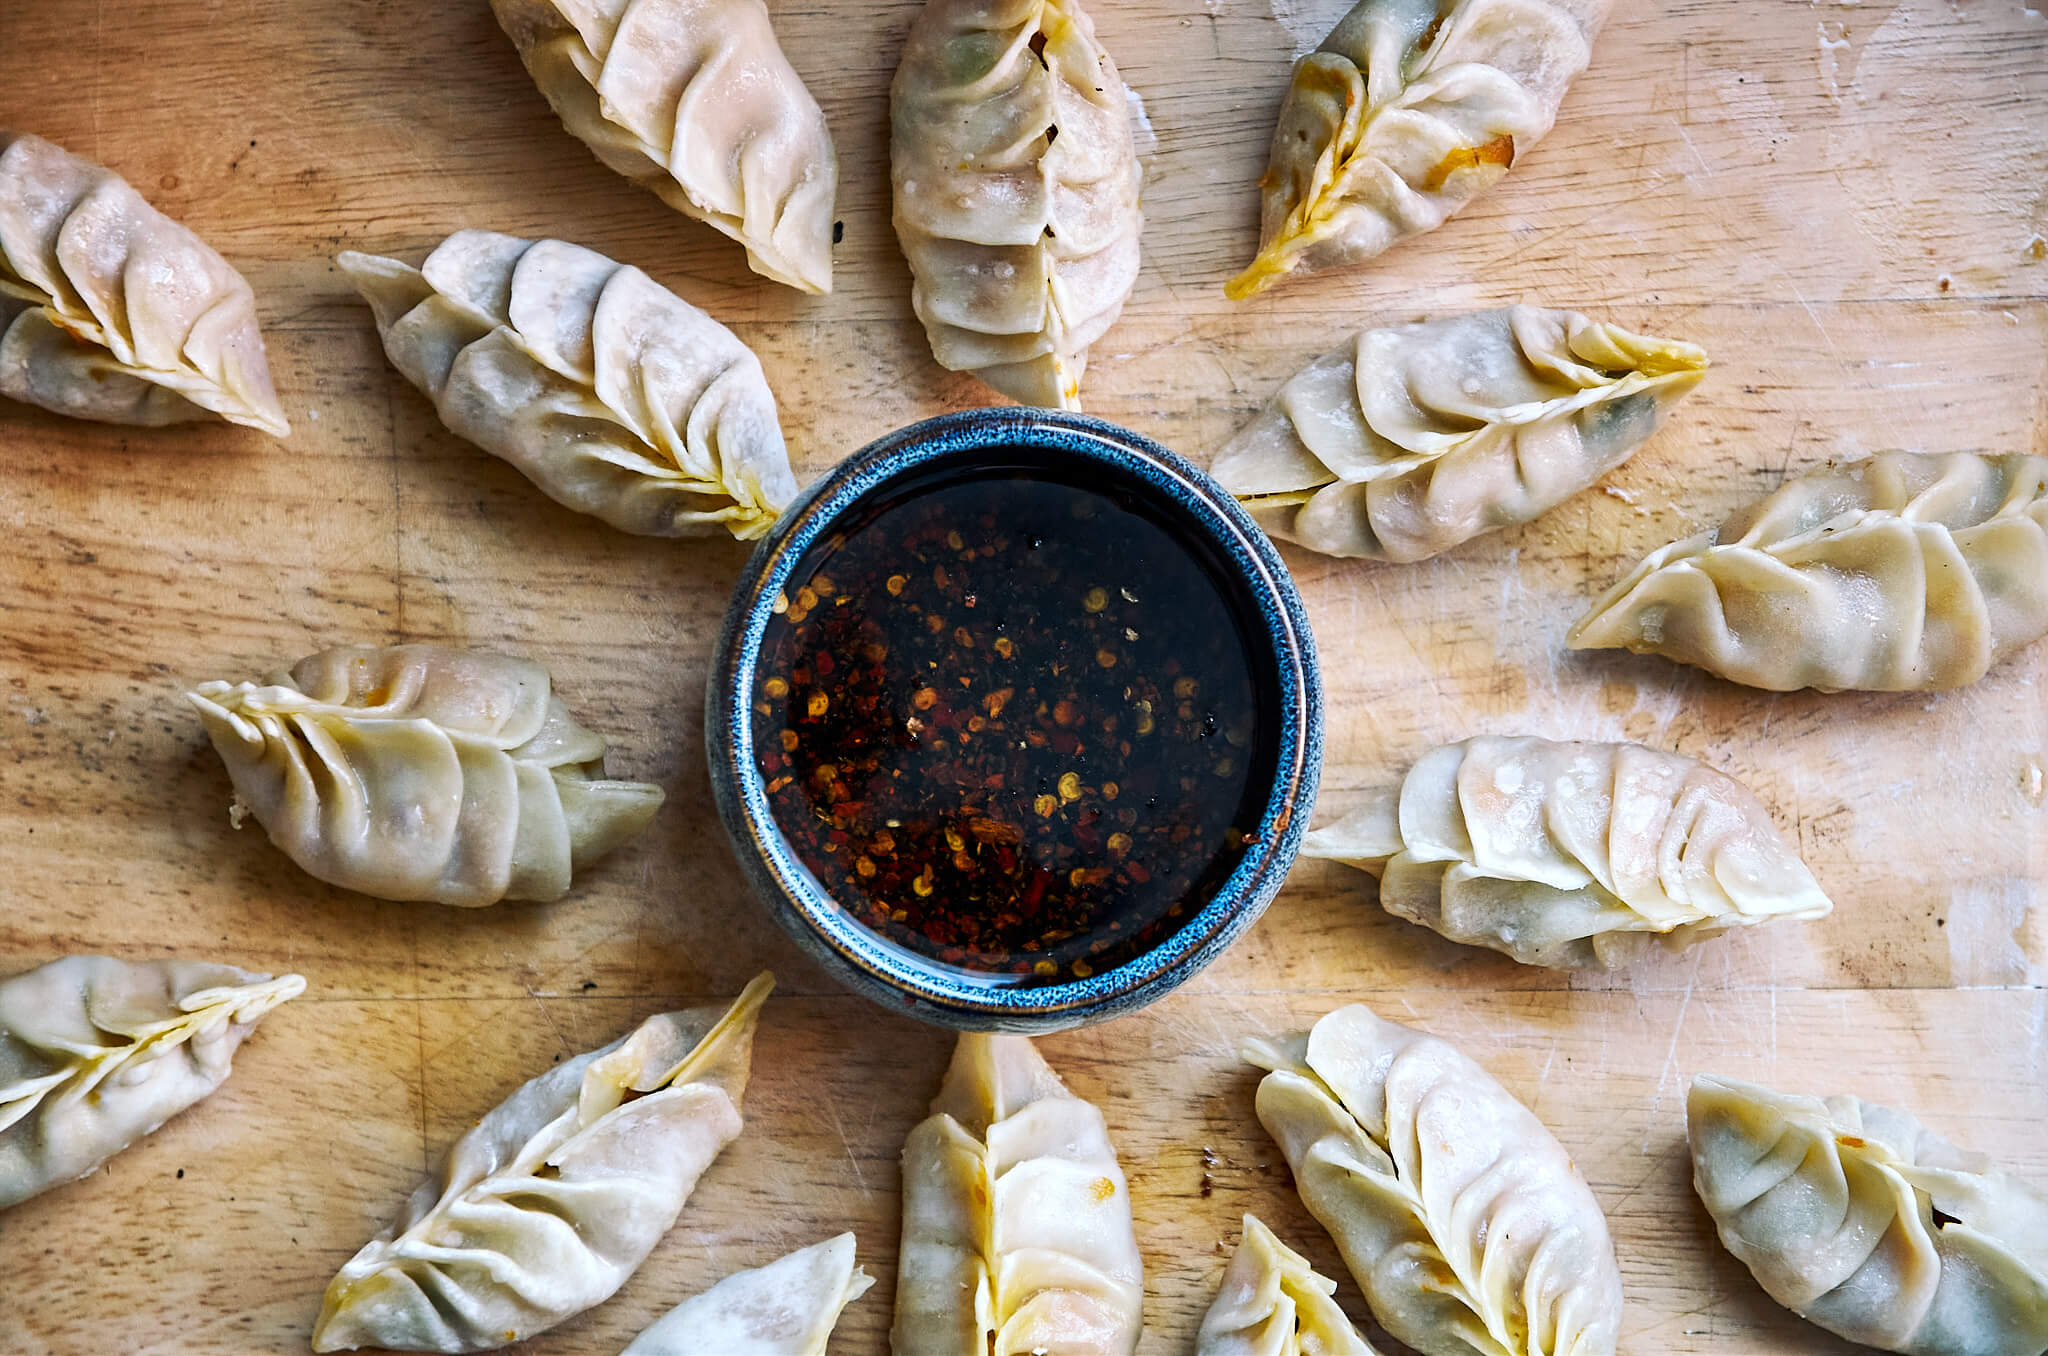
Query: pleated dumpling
[[422, 772], [95, 1053], [787, 1308], [1459, 1215], [1409, 110], [1858, 1218], [1272, 1303], [110, 310], [614, 395], [1016, 190], [695, 100], [1017, 1230], [1901, 572], [1412, 439], [556, 1196], [1572, 854]]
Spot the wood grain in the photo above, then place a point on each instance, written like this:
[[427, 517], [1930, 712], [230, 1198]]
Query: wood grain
[[1840, 201]]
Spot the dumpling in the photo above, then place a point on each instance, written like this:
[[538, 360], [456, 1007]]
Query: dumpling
[[1017, 1232], [786, 1308], [1572, 854], [110, 310], [694, 100], [1409, 110], [1272, 1303], [557, 1196], [1412, 439], [1016, 190], [422, 772], [1901, 572], [614, 395], [1461, 1218], [95, 1053], [1856, 1217]]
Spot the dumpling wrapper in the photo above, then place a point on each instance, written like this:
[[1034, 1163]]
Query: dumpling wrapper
[[110, 310], [95, 1053], [1460, 1216], [1272, 1303], [1412, 439], [557, 1196], [1409, 110], [612, 394], [1017, 1229], [787, 1308], [1572, 854], [1901, 572], [1857, 1218], [694, 100], [422, 772], [1016, 190]]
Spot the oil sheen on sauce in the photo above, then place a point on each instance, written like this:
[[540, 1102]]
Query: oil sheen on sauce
[[1008, 723]]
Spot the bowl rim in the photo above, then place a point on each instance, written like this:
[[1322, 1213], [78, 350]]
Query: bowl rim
[[888, 973]]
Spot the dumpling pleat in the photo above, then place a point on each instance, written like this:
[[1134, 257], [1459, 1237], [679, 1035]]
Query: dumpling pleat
[[1015, 181], [1570, 854], [1460, 1216], [555, 1198], [695, 100], [1857, 1218], [168, 327], [553, 302], [1414, 439], [1902, 572], [96, 1053], [613, 395], [422, 772], [537, 860], [1406, 113], [1017, 1234]]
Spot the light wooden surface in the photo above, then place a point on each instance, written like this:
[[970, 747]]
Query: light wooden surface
[[1844, 203]]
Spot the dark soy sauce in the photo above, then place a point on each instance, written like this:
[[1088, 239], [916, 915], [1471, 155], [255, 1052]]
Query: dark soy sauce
[[1011, 724]]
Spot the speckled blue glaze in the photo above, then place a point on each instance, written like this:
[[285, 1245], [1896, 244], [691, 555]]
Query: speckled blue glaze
[[901, 980]]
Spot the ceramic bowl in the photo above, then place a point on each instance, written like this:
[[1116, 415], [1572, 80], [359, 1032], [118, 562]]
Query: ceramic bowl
[[1276, 636]]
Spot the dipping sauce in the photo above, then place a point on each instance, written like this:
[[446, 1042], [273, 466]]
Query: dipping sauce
[[1011, 724]]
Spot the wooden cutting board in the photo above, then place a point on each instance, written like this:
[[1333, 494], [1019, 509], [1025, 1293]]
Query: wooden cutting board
[[1843, 202]]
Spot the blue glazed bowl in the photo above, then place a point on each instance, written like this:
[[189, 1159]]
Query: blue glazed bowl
[[1290, 725]]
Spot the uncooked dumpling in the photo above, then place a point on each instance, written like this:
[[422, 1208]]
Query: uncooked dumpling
[[1272, 1303], [557, 1196], [110, 310], [786, 1308], [95, 1053], [694, 100], [1901, 572], [1858, 1218], [422, 772], [1409, 110], [1017, 1232], [1460, 1216], [1016, 189], [1411, 439], [1572, 854], [614, 395]]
